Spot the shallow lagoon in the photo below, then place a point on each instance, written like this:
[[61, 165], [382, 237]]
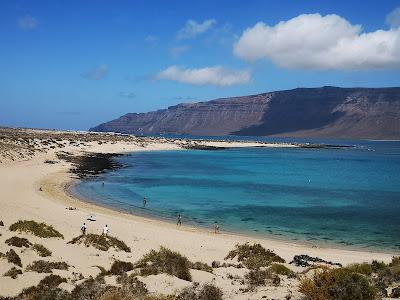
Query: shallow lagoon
[[341, 196]]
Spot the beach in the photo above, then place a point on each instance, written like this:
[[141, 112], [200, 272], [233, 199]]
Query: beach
[[34, 189]]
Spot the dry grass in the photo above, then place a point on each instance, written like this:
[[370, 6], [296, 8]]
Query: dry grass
[[42, 266], [281, 270], [120, 267], [259, 277], [204, 292], [165, 261], [254, 256], [13, 272], [100, 242], [18, 242], [12, 257], [41, 250], [52, 281], [336, 284], [201, 266], [39, 229]]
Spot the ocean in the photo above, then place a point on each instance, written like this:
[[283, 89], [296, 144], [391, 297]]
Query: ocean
[[346, 197]]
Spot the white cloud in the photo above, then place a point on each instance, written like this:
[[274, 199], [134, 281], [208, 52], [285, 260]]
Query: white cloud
[[216, 75], [97, 73], [320, 42], [393, 18], [192, 28], [179, 50], [27, 22]]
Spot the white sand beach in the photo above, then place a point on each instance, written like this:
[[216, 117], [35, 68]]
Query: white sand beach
[[34, 190]]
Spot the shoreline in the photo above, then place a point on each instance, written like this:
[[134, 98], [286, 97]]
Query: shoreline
[[35, 187], [82, 202], [68, 190]]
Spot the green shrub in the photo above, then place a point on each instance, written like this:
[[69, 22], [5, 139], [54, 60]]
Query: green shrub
[[281, 270], [337, 284], [259, 277], [13, 257], [13, 272], [39, 293], [363, 268], [205, 292], [39, 229], [18, 242], [100, 242], [42, 266], [52, 281], [165, 261], [377, 266], [89, 289], [201, 266], [395, 261], [130, 284], [254, 256], [41, 250], [120, 267]]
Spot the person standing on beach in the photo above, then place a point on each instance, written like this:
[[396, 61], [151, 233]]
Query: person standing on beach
[[83, 228], [179, 223], [216, 227], [105, 230], [144, 201]]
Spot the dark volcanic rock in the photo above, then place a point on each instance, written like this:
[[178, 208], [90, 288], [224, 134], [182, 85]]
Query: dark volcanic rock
[[305, 260], [372, 113], [91, 164]]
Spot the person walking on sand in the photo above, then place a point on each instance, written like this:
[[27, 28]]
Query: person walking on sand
[[216, 227], [83, 228], [105, 230], [144, 201], [179, 223]]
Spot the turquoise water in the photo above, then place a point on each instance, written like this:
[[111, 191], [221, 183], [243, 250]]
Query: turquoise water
[[341, 196]]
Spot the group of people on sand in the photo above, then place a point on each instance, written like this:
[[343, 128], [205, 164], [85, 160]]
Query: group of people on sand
[[104, 232], [178, 223]]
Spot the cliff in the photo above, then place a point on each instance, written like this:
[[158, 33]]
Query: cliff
[[329, 112]]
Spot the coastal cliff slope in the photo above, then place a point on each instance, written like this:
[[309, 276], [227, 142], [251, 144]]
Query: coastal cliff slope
[[329, 112]]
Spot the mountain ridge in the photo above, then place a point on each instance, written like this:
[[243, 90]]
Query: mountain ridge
[[327, 112]]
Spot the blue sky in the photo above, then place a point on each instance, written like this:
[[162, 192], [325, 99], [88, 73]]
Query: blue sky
[[75, 64]]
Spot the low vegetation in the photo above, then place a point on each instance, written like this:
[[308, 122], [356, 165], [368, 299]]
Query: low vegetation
[[39, 229], [42, 266], [342, 283], [120, 267], [18, 242], [41, 250], [280, 269], [100, 242], [201, 266], [165, 261], [12, 257], [204, 292], [253, 256], [52, 281], [13, 272], [356, 281], [40, 293], [259, 277]]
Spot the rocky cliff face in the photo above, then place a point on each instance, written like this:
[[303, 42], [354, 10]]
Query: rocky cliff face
[[328, 112]]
